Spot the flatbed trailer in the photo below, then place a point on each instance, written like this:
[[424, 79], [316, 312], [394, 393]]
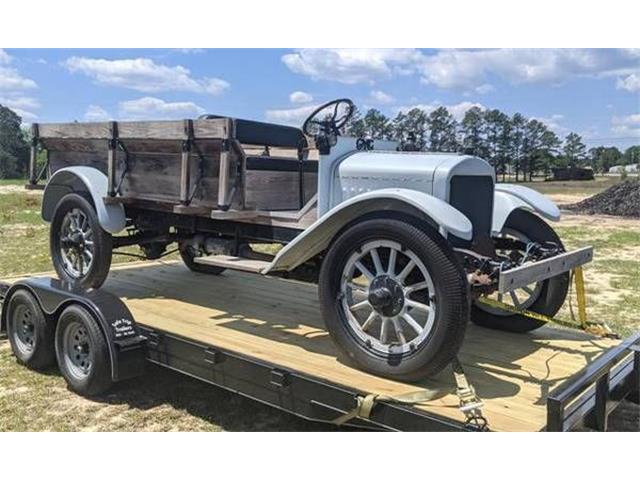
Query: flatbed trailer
[[250, 335]]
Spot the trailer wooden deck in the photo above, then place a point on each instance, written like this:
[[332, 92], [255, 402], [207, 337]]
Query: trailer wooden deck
[[279, 321]]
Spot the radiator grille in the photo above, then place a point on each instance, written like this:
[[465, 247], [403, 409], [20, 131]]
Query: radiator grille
[[473, 196]]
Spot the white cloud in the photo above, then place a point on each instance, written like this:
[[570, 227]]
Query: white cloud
[[300, 97], [10, 78], [352, 65], [630, 82], [627, 126], [291, 116], [12, 86], [468, 69], [146, 108], [379, 96], [457, 110], [4, 57], [96, 113], [484, 89], [144, 75]]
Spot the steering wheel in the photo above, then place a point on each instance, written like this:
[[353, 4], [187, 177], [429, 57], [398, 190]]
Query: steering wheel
[[328, 119]]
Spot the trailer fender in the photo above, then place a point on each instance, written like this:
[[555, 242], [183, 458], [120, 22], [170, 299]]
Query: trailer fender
[[508, 198], [127, 347], [87, 180], [318, 236]]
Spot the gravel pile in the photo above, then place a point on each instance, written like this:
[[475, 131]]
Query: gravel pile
[[622, 200]]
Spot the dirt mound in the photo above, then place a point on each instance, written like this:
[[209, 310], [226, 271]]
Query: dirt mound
[[622, 200]]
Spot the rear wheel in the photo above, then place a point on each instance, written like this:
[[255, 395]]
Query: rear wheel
[[80, 249], [82, 352], [394, 298], [29, 332], [544, 297]]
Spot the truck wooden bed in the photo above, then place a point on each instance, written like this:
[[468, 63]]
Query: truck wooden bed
[[249, 334]]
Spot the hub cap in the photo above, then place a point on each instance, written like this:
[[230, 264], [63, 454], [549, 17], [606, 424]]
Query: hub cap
[[76, 244], [388, 297], [24, 333], [77, 350], [521, 298]]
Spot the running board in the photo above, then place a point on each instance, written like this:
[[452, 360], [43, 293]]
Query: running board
[[535, 272], [233, 263]]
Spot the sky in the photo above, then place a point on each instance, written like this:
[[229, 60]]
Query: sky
[[594, 92]]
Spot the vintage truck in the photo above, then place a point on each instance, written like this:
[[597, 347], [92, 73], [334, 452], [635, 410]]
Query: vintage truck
[[402, 244]]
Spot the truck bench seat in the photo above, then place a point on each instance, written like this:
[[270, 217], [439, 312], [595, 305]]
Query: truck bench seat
[[279, 164]]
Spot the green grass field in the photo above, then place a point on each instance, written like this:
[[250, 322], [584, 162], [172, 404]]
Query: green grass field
[[166, 401]]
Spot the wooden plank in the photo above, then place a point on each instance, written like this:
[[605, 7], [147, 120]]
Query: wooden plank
[[75, 130], [279, 321], [233, 263]]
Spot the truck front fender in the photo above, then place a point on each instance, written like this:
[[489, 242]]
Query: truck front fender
[[318, 236], [84, 180], [508, 198]]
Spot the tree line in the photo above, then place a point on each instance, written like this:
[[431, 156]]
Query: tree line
[[514, 144]]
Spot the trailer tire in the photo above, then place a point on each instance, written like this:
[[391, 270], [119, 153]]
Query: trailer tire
[[441, 310], [87, 239], [552, 292], [187, 254], [30, 333], [82, 352]]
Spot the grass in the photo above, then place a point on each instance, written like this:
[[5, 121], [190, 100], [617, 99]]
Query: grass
[[162, 400], [12, 181], [159, 401], [578, 188]]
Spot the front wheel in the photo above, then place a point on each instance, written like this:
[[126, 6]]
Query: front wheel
[[80, 249], [394, 299], [544, 297]]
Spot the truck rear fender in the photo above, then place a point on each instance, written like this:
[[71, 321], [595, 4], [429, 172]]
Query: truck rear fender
[[508, 198], [83, 180], [318, 236]]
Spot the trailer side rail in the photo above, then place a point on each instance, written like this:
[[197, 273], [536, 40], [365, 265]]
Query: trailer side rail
[[303, 395], [587, 398]]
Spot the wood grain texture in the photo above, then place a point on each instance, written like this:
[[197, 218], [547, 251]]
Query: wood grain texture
[[279, 321], [171, 129]]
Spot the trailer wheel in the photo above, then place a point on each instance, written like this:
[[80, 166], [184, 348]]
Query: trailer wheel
[[394, 298], [544, 297], [80, 249], [188, 254], [82, 352], [30, 334]]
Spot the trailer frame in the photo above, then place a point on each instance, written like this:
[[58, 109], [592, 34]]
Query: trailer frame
[[584, 400]]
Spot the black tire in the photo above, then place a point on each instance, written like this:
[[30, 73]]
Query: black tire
[[30, 334], [77, 327], [102, 246], [552, 294], [451, 294], [188, 254]]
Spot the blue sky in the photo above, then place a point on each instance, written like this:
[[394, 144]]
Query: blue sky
[[593, 92]]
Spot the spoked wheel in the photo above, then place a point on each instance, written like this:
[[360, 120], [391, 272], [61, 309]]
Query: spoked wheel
[[82, 352], [29, 332], [80, 248], [394, 298], [544, 297], [385, 297]]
